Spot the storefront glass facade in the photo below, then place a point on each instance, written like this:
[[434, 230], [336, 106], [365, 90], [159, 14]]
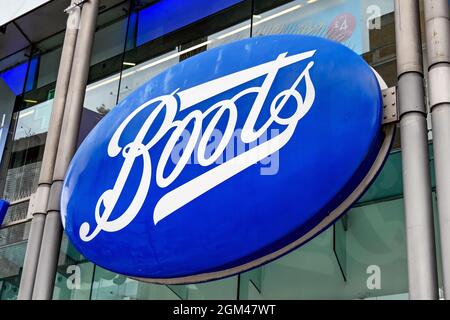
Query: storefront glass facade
[[363, 256]]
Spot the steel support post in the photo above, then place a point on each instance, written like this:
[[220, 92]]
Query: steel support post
[[438, 48], [51, 239], [39, 211], [422, 271]]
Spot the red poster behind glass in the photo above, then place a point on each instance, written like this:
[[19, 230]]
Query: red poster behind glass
[[342, 27]]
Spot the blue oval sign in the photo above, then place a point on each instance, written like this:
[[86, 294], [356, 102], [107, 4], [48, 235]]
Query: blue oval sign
[[224, 161]]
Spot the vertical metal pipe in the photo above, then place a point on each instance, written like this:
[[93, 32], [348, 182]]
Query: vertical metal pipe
[[51, 240], [437, 26], [48, 161], [122, 59], [422, 271]]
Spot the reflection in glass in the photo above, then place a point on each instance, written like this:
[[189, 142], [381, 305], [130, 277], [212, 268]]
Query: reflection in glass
[[111, 286], [34, 120], [27, 151], [344, 21], [24, 167], [12, 253], [375, 240]]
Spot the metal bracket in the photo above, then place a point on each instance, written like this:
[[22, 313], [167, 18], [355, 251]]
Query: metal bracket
[[390, 109], [74, 5]]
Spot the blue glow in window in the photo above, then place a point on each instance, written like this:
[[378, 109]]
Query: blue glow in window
[[32, 74], [169, 15], [131, 31], [15, 78]]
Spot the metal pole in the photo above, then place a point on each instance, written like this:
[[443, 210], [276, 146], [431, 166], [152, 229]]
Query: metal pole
[[46, 175], [51, 240], [438, 46], [422, 274]]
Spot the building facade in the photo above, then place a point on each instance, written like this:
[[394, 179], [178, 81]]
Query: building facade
[[362, 256]]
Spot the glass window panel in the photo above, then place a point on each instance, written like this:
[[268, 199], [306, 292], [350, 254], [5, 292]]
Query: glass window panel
[[7, 100], [24, 167], [132, 27], [224, 289], [16, 212], [166, 16], [109, 41], [74, 282], [375, 240], [389, 182], [140, 65], [34, 120], [48, 67], [14, 60], [336, 20], [234, 33], [11, 262], [42, 82], [310, 272], [12, 253], [345, 21], [32, 73], [340, 229], [101, 96], [135, 76], [15, 77], [250, 284], [111, 286], [74, 274], [27, 151], [12, 234]]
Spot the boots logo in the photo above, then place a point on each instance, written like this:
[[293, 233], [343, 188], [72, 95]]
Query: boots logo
[[167, 188], [167, 106]]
